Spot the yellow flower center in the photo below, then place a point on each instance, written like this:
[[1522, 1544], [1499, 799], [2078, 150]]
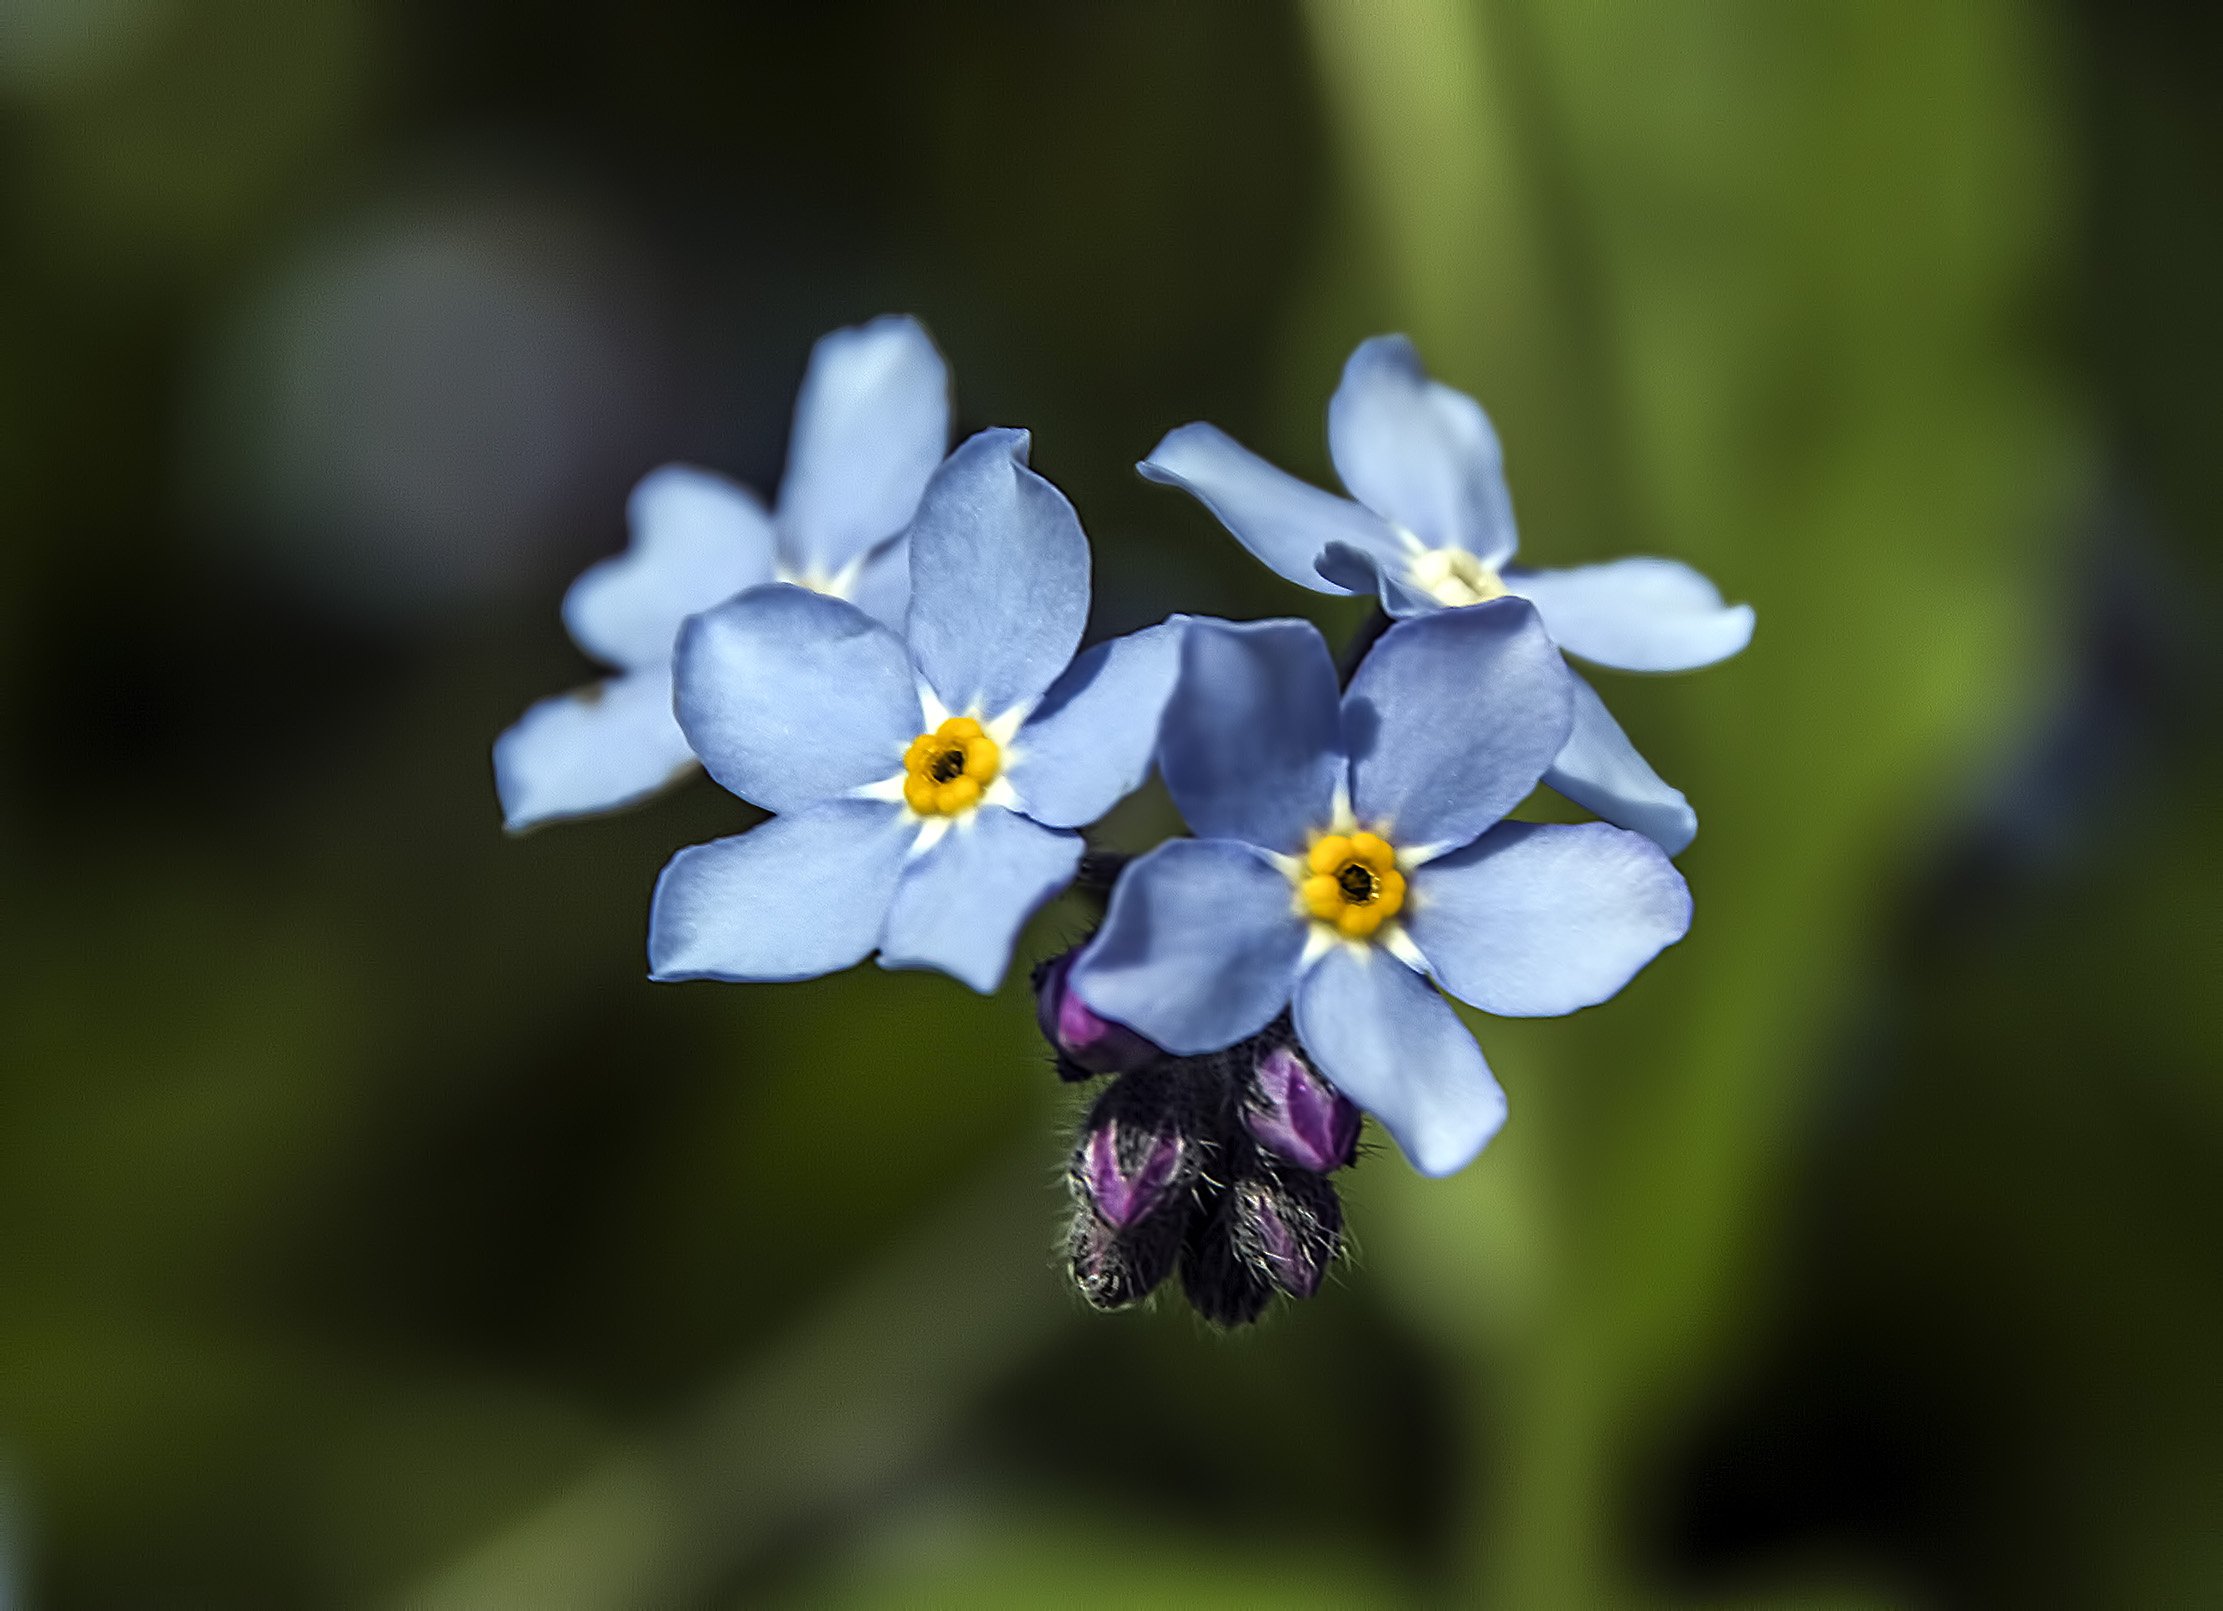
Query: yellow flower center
[[944, 771], [1351, 883], [1452, 576]]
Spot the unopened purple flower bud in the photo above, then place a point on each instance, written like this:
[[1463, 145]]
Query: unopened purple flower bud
[[1114, 1269], [1093, 1045], [1294, 1114], [1222, 1282], [1289, 1228], [1126, 1176]]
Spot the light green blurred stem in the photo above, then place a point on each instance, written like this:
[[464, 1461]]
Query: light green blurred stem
[[1848, 209], [1439, 188], [857, 1394]]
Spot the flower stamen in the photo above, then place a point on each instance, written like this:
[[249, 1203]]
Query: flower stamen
[[1350, 883], [946, 770], [1454, 577]]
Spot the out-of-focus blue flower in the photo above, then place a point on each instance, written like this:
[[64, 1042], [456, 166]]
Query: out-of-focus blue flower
[[871, 423], [1429, 526], [926, 785], [1351, 859]]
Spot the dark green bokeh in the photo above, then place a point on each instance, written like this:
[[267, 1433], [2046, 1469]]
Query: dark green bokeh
[[375, 1232]]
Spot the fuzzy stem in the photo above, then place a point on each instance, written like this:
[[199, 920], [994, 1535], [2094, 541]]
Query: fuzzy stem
[[1099, 870]]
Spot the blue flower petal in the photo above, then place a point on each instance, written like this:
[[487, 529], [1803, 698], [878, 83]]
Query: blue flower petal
[[1363, 572], [1252, 743], [999, 578], [791, 697], [883, 585], [1387, 1040], [698, 539], [1284, 522], [1537, 919], [1452, 720], [1600, 770], [961, 904], [1198, 949], [1092, 740], [1637, 614], [793, 898], [871, 423], [592, 750], [1419, 454]]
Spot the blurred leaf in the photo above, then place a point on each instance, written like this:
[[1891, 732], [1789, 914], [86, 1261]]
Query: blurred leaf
[[1022, 1558], [844, 1403]]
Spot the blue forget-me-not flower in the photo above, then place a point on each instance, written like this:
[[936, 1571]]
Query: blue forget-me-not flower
[[1351, 861], [871, 423], [926, 784], [1429, 526]]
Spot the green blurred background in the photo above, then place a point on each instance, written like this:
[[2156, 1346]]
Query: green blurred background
[[371, 1232]]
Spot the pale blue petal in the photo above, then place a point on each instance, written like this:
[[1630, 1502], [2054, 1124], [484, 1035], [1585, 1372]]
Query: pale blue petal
[[1284, 522], [883, 587], [1537, 919], [1198, 949], [697, 539], [1363, 572], [871, 423], [1451, 720], [1419, 454], [960, 906], [1600, 770], [1637, 614], [1091, 741], [791, 697], [593, 750], [793, 898], [999, 578], [1252, 748], [1388, 1040]]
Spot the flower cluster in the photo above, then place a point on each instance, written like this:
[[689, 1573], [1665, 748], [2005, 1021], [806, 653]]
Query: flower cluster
[[888, 666]]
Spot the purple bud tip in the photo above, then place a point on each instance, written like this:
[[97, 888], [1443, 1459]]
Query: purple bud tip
[[1294, 1114], [1296, 1261], [1096, 1044], [1122, 1196]]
